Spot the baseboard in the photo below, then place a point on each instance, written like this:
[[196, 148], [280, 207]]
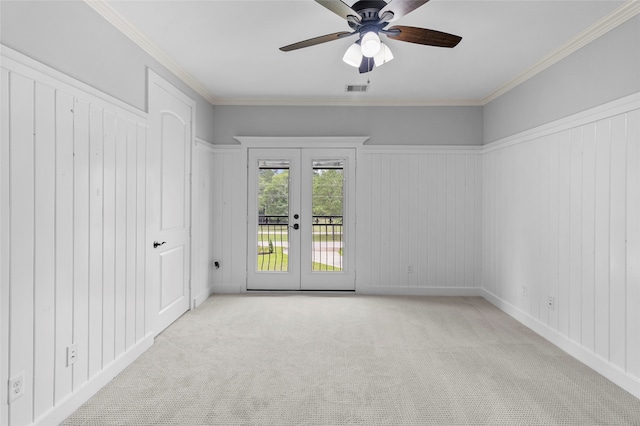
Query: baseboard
[[69, 405], [199, 298], [228, 289], [626, 381], [419, 291], [383, 291]]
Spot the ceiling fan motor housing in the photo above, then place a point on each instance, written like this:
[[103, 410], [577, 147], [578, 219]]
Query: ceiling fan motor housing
[[368, 9], [369, 16]]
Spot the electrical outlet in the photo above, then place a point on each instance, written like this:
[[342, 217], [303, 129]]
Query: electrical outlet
[[552, 303], [410, 269], [16, 387], [72, 354], [524, 290]]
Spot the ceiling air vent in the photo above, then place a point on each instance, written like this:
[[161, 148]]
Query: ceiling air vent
[[359, 88]]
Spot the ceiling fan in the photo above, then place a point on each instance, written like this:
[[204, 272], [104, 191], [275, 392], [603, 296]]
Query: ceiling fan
[[370, 18]]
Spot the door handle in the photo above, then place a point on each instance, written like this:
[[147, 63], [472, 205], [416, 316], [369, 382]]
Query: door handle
[[295, 226], [157, 244]]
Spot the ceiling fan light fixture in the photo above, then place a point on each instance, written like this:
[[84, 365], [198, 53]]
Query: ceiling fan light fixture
[[383, 56], [353, 55], [370, 44]]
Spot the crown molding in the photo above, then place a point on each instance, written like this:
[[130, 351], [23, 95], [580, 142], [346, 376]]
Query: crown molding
[[128, 29], [344, 102], [620, 15]]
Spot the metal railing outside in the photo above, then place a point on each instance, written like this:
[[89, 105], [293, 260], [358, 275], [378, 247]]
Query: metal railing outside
[[327, 243], [273, 243]]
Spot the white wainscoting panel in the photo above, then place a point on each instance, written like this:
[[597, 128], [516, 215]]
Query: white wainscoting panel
[[561, 238], [73, 234], [201, 223], [214, 207], [418, 220], [416, 207], [227, 182]]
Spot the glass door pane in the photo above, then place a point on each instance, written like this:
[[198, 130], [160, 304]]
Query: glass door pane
[[273, 216], [327, 201]]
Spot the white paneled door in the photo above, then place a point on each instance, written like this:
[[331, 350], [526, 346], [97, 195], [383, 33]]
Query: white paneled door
[[169, 167], [301, 220]]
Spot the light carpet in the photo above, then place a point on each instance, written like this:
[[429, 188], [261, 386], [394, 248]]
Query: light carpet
[[350, 359]]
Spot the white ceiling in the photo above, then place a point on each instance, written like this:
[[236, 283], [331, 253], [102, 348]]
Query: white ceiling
[[231, 48]]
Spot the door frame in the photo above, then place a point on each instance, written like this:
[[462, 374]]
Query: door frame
[[300, 142], [156, 82]]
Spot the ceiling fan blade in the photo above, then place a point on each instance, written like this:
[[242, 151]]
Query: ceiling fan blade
[[339, 8], [423, 36], [399, 8], [314, 41], [366, 65]]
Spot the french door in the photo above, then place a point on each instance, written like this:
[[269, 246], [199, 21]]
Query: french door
[[301, 220]]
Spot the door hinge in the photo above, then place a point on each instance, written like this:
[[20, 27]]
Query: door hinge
[[189, 231]]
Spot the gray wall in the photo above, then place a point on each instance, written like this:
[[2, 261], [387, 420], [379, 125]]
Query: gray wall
[[604, 70], [72, 38], [385, 125]]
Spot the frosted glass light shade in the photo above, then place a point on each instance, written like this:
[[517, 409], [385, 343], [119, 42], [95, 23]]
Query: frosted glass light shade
[[370, 44], [383, 56], [353, 55]]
